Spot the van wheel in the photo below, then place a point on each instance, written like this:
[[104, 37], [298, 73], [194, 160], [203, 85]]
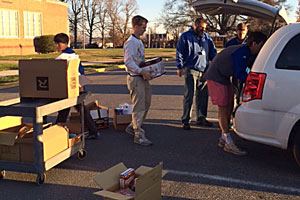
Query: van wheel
[[296, 148]]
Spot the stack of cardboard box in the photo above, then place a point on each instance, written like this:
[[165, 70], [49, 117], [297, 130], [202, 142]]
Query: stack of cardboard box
[[17, 144]]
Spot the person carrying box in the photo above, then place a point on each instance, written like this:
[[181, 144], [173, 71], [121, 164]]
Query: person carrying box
[[61, 41], [137, 80]]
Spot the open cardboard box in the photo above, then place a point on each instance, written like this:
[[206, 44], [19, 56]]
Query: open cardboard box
[[48, 78], [74, 128], [100, 115], [147, 185], [13, 147], [120, 122]]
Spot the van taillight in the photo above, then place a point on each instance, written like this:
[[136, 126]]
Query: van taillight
[[254, 86]]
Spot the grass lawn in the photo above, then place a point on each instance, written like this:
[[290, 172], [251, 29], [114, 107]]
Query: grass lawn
[[114, 55], [111, 59], [8, 66]]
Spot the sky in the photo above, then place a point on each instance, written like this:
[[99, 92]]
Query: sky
[[151, 9]]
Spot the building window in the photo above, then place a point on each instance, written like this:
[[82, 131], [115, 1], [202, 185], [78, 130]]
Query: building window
[[9, 23], [32, 24]]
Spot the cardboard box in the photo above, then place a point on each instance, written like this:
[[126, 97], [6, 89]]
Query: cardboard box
[[13, 147], [48, 78], [120, 122], [155, 66], [74, 128], [147, 185], [100, 115]]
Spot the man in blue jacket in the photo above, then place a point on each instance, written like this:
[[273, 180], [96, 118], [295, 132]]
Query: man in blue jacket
[[194, 51]]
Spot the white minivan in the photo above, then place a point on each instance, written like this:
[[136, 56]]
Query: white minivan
[[270, 108]]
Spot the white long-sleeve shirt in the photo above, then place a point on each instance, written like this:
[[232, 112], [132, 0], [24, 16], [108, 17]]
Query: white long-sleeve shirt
[[134, 54]]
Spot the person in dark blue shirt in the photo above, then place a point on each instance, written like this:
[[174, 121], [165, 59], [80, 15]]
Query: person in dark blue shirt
[[241, 35], [194, 50], [61, 41], [231, 62]]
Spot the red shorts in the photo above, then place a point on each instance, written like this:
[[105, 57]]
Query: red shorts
[[221, 95]]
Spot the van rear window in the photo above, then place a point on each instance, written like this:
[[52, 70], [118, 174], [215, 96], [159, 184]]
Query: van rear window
[[290, 56]]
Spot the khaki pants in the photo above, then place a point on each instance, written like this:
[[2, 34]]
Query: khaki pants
[[140, 93]]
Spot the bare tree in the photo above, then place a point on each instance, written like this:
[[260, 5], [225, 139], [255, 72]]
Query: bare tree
[[91, 17], [113, 11], [74, 16], [102, 15], [127, 11], [178, 14]]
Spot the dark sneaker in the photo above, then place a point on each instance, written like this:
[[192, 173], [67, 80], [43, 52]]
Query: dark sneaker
[[204, 123], [232, 148], [129, 130], [221, 143], [142, 141], [186, 126], [92, 136]]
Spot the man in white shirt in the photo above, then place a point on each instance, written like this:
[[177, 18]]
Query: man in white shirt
[[137, 80]]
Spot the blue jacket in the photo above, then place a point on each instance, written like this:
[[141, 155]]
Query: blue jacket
[[240, 62], [235, 41], [193, 53], [70, 51]]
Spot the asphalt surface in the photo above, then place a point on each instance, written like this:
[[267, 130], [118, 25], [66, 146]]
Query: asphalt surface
[[198, 168]]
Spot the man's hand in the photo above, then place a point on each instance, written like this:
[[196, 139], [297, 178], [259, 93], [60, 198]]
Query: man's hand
[[179, 72], [146, 75]]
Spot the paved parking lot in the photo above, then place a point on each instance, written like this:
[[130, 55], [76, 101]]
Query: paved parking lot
[[198, 169]]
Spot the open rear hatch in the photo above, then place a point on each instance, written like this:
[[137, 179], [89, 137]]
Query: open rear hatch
[[249, 8]]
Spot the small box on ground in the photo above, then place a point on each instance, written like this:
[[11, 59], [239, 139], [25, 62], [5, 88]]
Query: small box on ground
[[48, 78], [16, 140], [147, 183], [100, 115], [121, 121]]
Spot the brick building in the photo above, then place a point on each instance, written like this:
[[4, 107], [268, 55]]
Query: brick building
[[23, 20]]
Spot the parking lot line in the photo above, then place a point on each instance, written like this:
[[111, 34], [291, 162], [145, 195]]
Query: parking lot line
[[232, 180]]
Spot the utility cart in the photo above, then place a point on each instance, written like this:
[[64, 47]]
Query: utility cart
[[37, 110]]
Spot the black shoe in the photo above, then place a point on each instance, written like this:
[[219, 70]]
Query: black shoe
[[204, 123], [92, 136], [186, 126]]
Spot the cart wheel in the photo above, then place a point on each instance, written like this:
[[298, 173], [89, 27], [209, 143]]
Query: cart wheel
[[81, 154], [40, 179], [2, 174]]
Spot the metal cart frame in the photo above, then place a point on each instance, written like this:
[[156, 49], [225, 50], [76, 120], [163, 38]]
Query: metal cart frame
[[37, 109]]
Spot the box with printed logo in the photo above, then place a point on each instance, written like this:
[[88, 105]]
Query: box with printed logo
[[48, 78]]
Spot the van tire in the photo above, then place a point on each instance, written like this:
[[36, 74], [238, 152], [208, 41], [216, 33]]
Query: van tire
[[296, 148]]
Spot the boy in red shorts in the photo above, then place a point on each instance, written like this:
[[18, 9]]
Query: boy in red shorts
[[232, 61]]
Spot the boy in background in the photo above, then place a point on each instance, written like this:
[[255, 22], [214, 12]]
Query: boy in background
[[61, 41]]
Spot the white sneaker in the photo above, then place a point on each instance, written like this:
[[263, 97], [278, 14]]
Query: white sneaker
[[142, 141], [129, 130], [232, 148], [221, 143]]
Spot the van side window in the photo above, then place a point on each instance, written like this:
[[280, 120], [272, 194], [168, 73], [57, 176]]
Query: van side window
[[290, 56]]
